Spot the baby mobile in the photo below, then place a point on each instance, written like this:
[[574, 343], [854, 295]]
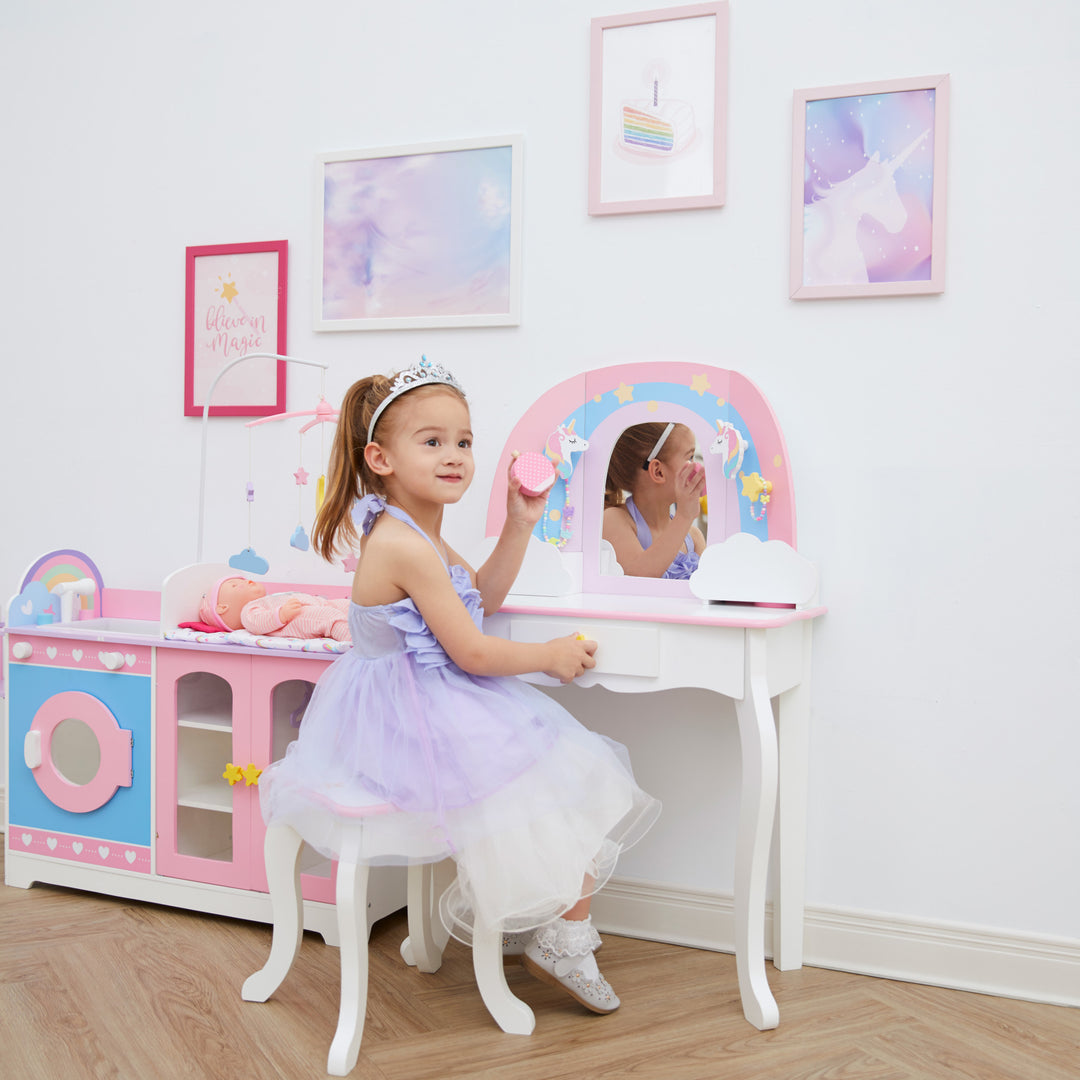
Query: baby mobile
[[323, 413]]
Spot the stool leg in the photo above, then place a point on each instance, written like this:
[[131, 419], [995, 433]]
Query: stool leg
[[508, 1011], [352, 882], [426, 954], [442, 877], [427, 882], [282, 852]]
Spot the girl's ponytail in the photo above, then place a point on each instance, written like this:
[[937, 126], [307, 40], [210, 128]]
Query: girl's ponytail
[[348, 474]]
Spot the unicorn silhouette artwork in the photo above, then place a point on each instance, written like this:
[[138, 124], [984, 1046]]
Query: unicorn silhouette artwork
[[561, 443], [731, 447], [831, 251]]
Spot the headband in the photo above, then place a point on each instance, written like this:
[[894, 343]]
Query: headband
[[659, 444], [425, 373], [208, 611]]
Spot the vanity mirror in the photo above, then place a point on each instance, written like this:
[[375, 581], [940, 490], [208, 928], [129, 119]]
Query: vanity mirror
[[578, 423]]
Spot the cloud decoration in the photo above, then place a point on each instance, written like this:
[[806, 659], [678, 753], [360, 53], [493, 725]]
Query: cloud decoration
[[543, 571], [248, 560], [743, 569], [33, 601]]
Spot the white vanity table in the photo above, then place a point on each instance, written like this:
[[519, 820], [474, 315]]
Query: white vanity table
[[749, 654], [658, 634]]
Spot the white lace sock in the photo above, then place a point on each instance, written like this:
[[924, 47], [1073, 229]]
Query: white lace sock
[[576, 938]]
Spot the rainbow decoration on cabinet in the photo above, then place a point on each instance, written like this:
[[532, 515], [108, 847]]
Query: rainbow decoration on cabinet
[[36, 602]]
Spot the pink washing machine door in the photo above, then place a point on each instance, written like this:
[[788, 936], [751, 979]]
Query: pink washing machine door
[[114, 743]]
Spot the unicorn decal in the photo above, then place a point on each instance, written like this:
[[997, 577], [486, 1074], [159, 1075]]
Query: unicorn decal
[[731, 446], [831, 252], [561, 443]]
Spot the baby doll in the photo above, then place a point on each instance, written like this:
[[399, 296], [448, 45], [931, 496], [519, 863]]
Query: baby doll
[[236, 601]]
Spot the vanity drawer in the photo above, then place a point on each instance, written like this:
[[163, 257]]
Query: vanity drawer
[[621, 650]]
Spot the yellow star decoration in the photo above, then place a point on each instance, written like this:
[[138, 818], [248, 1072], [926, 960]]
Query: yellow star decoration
[[228, 290], [699, 384], [755, 486], [623, 393], [251, 775], [233, 773]]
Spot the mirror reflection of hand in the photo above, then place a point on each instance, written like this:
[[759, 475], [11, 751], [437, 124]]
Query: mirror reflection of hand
[[521, 508], [689, 487]]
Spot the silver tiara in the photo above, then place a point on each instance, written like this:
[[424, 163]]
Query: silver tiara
[[424, 373]]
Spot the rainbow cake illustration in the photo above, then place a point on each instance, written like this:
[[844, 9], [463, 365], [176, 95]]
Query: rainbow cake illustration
[[655, 127]]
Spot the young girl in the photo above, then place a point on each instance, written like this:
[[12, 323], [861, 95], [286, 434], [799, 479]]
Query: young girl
[[421, 712], [652, 469]]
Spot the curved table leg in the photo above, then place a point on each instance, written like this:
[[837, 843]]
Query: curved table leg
[[757, 738], [282, 852], [789, 857]]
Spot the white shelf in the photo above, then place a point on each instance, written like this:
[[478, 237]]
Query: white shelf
[[206, 722], [207, 797]]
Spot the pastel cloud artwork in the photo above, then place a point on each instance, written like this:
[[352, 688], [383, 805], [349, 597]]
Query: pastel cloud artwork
[[743, 569]]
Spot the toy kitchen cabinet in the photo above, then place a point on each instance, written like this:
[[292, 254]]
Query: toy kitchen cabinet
[[133, 761]]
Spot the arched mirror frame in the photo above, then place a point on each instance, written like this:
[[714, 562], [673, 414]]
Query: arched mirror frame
[[602, 403]]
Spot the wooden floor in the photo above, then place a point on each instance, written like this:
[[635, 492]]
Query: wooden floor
[[92, 986]]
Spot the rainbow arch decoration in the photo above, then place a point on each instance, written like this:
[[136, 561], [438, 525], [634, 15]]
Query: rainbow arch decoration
[[604, 402], [64, 564]]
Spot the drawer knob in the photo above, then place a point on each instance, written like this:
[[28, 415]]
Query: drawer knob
[[112, 660], [22, 650]]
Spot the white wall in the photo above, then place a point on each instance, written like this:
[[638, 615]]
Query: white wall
[[935, 465]]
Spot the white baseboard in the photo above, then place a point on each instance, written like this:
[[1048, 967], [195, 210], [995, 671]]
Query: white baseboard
[[978, 959]]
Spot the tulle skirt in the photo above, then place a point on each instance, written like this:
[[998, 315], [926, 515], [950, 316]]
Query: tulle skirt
[[398, 762]]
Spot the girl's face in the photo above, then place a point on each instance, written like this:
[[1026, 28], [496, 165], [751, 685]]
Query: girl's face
[[429, 447]]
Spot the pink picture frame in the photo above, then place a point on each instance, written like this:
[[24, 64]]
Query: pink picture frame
[[658, 110], [235, 303], [868, 189]]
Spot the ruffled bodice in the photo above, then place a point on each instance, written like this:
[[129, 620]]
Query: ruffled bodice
[[369, 625]]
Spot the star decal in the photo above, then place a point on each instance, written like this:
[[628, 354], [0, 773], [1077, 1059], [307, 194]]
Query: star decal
[[699, 384], [755, 486], [233, 773], [301, 475], [623, 393], [349, 562], [228, 290], [251, 775]]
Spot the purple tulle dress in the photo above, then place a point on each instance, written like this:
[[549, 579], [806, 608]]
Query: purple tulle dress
[[684, 564], [488, 770]]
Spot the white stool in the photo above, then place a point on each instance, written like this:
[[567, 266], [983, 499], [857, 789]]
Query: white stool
[[422, 948]]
